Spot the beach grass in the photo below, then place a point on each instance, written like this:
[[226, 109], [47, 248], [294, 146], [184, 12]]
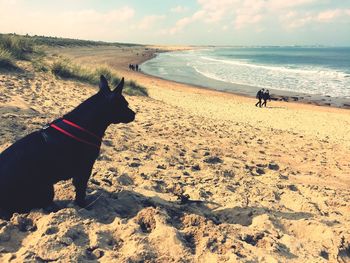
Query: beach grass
[[39, 65], [66, 69], [7, 62], [19, 47], [16, 47], [68, 42], [132, 88]]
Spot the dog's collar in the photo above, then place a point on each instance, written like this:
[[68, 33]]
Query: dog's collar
[[76, 132]]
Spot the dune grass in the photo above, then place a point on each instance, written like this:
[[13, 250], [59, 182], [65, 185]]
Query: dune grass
[[69, 42], [15, 47], [65, 69], [19, 47], [7, 62], [133, 89], [39, 65]]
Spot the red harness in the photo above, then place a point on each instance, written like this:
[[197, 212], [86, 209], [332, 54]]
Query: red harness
[[75, 137]]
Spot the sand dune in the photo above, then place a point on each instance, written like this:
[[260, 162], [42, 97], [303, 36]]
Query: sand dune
[[264, 185]]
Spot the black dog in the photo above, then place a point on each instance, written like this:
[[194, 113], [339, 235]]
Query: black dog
[[66, 148]]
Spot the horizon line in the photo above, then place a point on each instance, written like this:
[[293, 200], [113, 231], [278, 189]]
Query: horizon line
[[190, 45]]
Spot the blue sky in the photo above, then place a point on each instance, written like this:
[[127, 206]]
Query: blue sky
[[197, 22]]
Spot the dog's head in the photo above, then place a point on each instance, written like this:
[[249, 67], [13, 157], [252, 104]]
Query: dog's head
[[117, 107]]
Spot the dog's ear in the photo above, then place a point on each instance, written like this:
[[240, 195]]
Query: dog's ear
[[104, 85], [118, 90]]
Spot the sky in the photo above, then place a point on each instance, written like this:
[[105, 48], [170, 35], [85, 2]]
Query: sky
[[183, 22]]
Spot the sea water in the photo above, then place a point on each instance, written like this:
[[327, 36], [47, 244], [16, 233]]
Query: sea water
[[321, 71]]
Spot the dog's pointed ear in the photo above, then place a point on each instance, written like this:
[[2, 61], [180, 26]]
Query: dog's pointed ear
[[104, 85], [119, 88]]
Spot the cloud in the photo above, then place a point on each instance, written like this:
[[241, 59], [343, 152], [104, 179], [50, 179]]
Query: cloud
[[280, 4], [301, 19], [7, 2], [88, 24], [243, 20], [237, 18], [92, 16], [257, 13], [149, 21], [329, 15], [179, 9], [183, 22]]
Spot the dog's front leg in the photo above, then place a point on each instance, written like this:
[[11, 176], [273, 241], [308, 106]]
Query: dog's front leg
[[80, 190], [80, 184]]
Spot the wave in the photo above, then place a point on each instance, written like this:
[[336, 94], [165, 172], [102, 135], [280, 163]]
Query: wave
[[303, 78], [310, 70], [313, 81]]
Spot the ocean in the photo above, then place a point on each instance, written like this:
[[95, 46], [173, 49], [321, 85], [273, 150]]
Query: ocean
[[323, 71]]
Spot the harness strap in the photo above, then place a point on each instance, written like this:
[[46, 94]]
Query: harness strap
[[81, 128], [60, 129]]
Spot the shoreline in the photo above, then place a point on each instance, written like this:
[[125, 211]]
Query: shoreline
[[276, 95], [250, 91], [120, 58]]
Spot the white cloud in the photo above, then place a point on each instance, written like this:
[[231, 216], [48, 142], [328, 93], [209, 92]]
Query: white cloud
[[7, 2], [179, 9], [243, 20], [329, 15], [183, 22], [255, 13], [87, 16], [121, 24], [242, 13], [300, 19], [88, 24], [149, 21], [281, 4]]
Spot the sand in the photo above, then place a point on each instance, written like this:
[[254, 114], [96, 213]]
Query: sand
[[264, 185]]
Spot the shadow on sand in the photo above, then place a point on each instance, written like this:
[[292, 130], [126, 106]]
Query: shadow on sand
[[105, 207]]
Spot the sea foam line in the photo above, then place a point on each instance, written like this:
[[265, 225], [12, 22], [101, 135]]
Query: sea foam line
[[322, 71]]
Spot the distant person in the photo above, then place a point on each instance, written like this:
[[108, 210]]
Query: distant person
[[266, 96], [137, 67], [259, 96]]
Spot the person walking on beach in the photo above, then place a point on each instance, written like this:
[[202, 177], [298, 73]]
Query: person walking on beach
[[266, 96], [259, 96]]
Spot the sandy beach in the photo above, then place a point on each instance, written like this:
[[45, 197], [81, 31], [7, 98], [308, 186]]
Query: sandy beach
[[264, 184]]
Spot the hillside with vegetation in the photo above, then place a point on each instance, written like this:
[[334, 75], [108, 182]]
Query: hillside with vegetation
[[17, 50]]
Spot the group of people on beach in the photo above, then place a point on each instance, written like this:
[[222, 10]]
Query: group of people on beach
[[134, 67], [263, 95]]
